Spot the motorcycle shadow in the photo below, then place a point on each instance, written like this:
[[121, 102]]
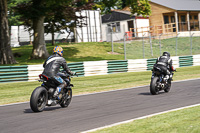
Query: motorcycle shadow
[[46, 109], [149, 94]]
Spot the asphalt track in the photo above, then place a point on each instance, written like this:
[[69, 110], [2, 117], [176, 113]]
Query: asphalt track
[[97, 110]]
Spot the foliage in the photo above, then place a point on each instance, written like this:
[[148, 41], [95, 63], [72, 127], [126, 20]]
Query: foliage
[[107, 5], [13, 18], [140, 7], [62, 12]]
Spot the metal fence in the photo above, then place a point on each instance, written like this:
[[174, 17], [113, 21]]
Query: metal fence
[[147, 46]]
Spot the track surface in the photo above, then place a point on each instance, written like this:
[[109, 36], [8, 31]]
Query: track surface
[[97, 110]]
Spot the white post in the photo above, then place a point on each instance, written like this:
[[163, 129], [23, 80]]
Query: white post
[[188, 20], [176, 20], [199, 19]]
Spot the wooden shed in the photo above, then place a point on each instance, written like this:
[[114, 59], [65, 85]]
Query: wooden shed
[[174, 16]]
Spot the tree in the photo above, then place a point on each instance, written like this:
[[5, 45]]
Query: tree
[[64, 17], [6, 56], [34, 13], [141, 7], [13, 17], [107, 5]]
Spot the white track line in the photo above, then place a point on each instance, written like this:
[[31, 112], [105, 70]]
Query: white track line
[[13, 104], [105, 91], [143, 117]]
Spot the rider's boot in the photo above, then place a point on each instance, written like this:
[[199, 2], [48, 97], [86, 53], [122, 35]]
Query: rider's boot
[[58, 90], [171, 75], [166, 78]]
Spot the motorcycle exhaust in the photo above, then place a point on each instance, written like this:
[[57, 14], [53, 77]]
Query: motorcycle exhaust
[[162, 85], [51, 103]]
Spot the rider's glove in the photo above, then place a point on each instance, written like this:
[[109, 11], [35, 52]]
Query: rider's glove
[[73, 73], [173, 69]]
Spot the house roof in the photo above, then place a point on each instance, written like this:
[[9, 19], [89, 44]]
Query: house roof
[[180, 5], [117, 15]]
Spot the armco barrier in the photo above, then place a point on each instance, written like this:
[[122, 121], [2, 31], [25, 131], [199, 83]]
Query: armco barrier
[[117, 66], [35, 70], [77, 67], [185, 61], [137, 65], [95, 68], [150, 63], [13, 73], [175, 61], [90, 68], [196, 60]]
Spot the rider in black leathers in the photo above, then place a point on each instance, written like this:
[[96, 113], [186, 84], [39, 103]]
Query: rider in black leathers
[[52, 66], [164, 62]]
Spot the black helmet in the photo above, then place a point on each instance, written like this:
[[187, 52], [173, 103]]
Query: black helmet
[[166, 54]]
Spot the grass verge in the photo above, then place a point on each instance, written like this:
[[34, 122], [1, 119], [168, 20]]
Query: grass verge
[[21, 91], [72, 53], [182, 121], [95, 51]]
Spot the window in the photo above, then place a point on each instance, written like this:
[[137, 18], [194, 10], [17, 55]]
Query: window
[[190, 17], [166, 19], [195, 17], [183, 20], [172, 19], [115, 27]]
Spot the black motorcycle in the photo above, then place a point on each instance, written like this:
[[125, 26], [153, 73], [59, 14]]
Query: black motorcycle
[[43, 95], [158, 83]]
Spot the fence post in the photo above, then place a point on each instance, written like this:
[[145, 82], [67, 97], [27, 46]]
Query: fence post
[[112, 40], [160, 43], [177, 42], [143, 45], [191, 43], [150, 43], [125, 34]]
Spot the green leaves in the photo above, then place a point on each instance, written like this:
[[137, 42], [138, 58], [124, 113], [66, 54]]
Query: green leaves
[[139, 7], [107, 5]]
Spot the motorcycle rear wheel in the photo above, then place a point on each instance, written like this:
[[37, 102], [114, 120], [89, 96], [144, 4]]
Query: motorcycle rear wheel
[[38, 99], [153, 86], [67, 100], [168, 87]]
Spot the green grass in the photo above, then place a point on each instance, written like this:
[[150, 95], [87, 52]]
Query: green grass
[[21, 91], [135, 50], [182, 121], [72, 53], [95, 51]]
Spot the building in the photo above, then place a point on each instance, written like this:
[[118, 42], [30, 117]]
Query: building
[[175, 16], [119, 22], [89, 26]]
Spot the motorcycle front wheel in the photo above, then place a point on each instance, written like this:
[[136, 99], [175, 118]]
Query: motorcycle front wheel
[[153, 86], [168, 86], [67, 99], [38, 99]]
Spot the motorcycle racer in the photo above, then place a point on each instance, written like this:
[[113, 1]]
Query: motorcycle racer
[[164, 62], [52, 67]]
